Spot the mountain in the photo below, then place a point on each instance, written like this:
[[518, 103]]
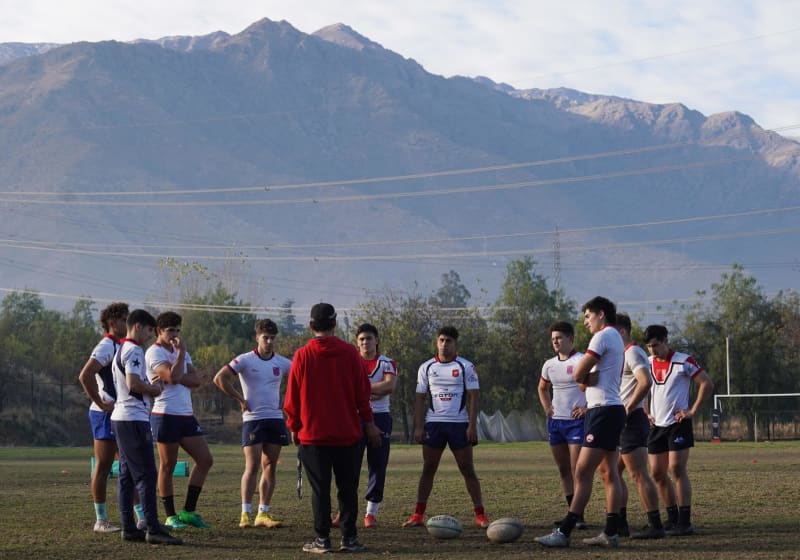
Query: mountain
[[164, 133], [13, 51]]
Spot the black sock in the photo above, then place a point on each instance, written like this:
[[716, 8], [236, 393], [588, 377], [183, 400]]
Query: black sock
[[623, 516], [612, 524], [169, 505], [569, 500], [654, 518], [685, 516], [568, 523], [191, 497], [672, 514]]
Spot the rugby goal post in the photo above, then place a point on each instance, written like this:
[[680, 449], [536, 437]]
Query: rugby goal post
[[716, 415]]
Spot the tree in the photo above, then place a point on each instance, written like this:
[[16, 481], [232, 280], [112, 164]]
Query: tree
[[287, 323], [452, 292]]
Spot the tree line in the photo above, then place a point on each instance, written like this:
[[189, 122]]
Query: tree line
[[42, 350]]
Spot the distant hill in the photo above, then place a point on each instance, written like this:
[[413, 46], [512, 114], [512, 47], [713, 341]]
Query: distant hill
[[273, 106]]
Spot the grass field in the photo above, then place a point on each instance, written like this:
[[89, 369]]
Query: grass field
[[746, 499]]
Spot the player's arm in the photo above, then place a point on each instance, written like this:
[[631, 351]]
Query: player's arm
[[224, 381], [704, 390], [643, 383], [173, 373], [192, 377], [384, 387], [581, 375], [138, 385], [419, 416], [89, 383], [473, 396], [544, 396]]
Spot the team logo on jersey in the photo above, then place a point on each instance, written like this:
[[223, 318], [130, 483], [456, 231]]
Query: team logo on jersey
[[276, 371], [472, 378], [589, 438], [455, 373], [570, 369], [446, 396]]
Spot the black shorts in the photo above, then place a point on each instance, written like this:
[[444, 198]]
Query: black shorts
[[634, 434], [267, 430], [603, 427], [676, 437], [171, 428], [441, 434]]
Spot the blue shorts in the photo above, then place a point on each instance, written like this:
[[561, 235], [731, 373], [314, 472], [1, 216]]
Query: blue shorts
[[100, 423], [603, 427], [441, 434], [171, 428], [565, 431], [271, 430], [675, 437]]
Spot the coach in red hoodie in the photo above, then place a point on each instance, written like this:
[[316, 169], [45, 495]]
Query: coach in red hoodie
[[327, 399]]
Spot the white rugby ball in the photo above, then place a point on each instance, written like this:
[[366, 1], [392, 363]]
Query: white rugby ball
[[444, 527], [504, 530]]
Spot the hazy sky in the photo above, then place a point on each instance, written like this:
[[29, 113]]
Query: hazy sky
[[713, 56]]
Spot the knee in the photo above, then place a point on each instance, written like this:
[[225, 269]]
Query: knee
[[205, 463], [677, 471]]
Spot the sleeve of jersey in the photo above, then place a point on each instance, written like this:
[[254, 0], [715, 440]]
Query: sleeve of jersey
[[472, 378], [103, 353], [693, 367], [390, 367], [597, 346], [545, 374], [235, 365], [291, 402], [134, 363], [637, 359], [187, 360], [422, 380]]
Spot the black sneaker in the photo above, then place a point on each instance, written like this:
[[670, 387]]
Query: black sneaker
[[134, 535], [624, 530], [350, 545], [650, 532], [581, 524], [681, 531], [162, 537], [318, 546]]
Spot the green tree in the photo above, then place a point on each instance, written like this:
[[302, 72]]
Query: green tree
[[452, 293]]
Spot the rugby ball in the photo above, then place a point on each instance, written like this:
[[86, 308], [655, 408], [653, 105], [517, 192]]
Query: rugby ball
[[504, 530], [444, 527]]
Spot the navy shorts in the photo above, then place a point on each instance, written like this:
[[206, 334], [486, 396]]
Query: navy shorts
[[101, 425], [441, 434], [565, 431], [676, 437], [171, 428], [603, 427], [634, 434], [271, 430]]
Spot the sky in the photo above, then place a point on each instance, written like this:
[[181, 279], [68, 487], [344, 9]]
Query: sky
[[713, 56]]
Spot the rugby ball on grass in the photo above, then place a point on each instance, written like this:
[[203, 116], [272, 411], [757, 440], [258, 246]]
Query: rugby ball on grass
[[444, 527], [504, 530]]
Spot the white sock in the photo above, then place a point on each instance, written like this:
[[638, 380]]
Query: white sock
[[247, 508], [263, 508], [372, 508]]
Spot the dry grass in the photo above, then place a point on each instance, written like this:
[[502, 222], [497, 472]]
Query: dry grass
[[746, 498]]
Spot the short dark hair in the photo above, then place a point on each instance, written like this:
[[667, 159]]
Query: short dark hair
[[599, 303], [366, 327], [116, 310], [563, 327], [448, 330], [140, 317], [657, 332], [323, 317], [624, 321], [266, 326], [168, 319]]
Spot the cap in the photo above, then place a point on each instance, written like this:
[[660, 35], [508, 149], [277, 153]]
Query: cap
[[323, 315]]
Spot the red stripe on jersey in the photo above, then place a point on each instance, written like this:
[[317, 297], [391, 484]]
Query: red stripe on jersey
[[593, 353]]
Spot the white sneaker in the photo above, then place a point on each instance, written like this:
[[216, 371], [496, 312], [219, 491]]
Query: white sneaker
[[105, 526], [556, 539], [603, 540], [142, 524]]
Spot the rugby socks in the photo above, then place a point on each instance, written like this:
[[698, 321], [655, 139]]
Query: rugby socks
[[420, 508], [612, 524], [372, 508], [568, 523], [247, 508], [685, 516], [100, 512], [569, 500], [623, 516], [672, 514], [191, 497], [169, 505], [263, 508], [654, 519], [478, 509]]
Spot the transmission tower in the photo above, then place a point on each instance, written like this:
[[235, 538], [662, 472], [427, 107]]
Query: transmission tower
[[556, 260]]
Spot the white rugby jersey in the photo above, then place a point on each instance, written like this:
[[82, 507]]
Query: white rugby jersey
[[671, 383], [383, 366], [130, 407], [261, 384], [566, 392], [174, 399], [607, 346], [635, 358], [447, 384], [104, 353]]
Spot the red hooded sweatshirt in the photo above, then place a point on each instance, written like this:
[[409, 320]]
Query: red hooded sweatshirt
[[327, 395]]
